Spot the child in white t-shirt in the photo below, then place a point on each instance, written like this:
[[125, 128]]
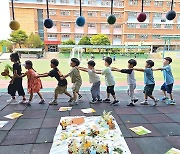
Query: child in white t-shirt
[[130, 80], [110, 82], [95, 80]]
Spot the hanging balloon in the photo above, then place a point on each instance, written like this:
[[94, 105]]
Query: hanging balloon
[[111, 19], [142, 16], [80, 21], [48, 23], [14, 25], [170, 15]]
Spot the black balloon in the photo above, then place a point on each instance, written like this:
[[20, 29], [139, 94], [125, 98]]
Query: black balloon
[[48, 23], [170, 15], [111, 19]]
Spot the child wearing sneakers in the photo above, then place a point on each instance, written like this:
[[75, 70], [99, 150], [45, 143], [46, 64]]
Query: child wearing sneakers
[[148, 81], [62, 83], [110, 82], [168, 81], [76, 80], [130, 80], [95, 80]]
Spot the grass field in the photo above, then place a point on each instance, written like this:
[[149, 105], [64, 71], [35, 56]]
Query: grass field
[[43, 65]]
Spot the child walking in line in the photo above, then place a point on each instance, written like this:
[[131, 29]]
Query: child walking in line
[[148, 81], [110, 82], [62, 83], [130, 80], [75, 79], [34, 83], [168, 81], [16, 83], [95, 80]]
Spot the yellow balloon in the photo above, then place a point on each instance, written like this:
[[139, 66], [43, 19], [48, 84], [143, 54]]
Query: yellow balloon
[[14, 25]]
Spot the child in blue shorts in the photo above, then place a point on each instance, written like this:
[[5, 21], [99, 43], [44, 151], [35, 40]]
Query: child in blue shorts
[[168, 81]]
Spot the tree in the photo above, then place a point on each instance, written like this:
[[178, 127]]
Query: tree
[[100, 39], [7, 44], [68, 42], [34, 41], [18, 37], [85, 40]]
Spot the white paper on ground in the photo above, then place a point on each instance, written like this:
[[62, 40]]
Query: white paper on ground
[[3, 123]]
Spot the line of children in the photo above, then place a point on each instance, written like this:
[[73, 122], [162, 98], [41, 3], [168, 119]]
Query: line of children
[[34, 83]]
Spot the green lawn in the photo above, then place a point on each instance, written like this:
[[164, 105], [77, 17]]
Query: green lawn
[[43, 65]]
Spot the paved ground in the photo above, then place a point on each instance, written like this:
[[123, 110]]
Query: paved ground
[[34, 131]]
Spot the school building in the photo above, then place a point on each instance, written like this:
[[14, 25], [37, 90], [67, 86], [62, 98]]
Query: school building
[[126, 31]]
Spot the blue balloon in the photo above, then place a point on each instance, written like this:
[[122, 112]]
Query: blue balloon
[[170, 15], [111, 19], [80, 21], [48, 23]]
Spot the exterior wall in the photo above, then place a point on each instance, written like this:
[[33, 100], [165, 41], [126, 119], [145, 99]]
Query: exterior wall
[[126, 30]]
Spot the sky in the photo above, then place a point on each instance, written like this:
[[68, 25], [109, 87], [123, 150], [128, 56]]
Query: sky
[[4, 19]]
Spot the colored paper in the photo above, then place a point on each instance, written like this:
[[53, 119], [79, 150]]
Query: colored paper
[[3, 123], [13, 115], [88, 110], [173, 151], [140, 130], [61, 109]]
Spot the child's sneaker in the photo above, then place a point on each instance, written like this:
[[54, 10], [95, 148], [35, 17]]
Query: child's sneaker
[[155, 102], [13, 101], [130, 104], [73, 103], [106, 100], [135, 100], [115, 102], [22, 101], [42, 101], [80, 96], [144, 103], [99, 100], [93, 102], [70, 100], [53, 102], [171, 102], [164, 98]]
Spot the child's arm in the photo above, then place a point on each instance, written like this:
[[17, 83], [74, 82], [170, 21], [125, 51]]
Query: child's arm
[[139, 69], [97, 71], [115, 69], [21, 76], [83, 69], [158, 69], [43, 75]]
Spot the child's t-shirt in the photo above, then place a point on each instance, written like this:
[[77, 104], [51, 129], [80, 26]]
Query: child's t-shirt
[[130, 76], [17, 67], [148, 76], [93, 77], [75, 76], [108, 76], [55, 73], [167, 74]]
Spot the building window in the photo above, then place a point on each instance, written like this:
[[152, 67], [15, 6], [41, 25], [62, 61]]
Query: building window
[[169, 4], [105, 2], [132, 14], [52, 1], [77, 13], [118, 14], [157, 15], [64, 1], [91, 25], [65, 37], [65, 25], [52, 12], [168, 26], [52, 36], [178, 26], [158, 3], [77, 1], [92, 14], [105, 14], [147, 2], [143, 36], [104, 26], [132, 17], [143, 25], [91, 2], [118, 3], [39, 0], [65, 13], [133, 2], [117, 26], [156, 26], [131, 36], [156, 37], [131, 25]]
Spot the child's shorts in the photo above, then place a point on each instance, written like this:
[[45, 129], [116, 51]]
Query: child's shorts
[[76, 87], [167, 88], [148, 89], [110, 89], [60, 89]]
